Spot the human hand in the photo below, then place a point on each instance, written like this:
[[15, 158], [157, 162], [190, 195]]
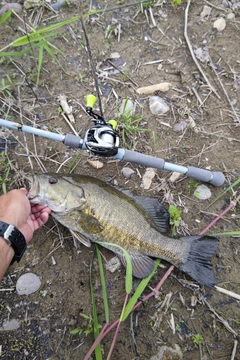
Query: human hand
[[16, 209]]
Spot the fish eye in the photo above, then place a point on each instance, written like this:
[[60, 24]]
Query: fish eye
[[52, 180]]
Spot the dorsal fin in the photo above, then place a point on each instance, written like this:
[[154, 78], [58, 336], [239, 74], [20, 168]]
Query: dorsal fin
[[157, 212]]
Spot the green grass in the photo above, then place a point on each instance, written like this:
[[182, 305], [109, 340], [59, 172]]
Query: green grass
[[36, 39], [127, 308], [128, 126], [5, 169], [175, 217]]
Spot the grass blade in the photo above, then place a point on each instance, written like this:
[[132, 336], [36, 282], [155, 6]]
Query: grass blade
[[237, 232], [104, 292], [96, 326], [5, 16], [128, 280], [224, 192], [140, 289], [40, 61]]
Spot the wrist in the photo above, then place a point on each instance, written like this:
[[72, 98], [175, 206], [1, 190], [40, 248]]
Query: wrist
[[14, 239], [7, 252]]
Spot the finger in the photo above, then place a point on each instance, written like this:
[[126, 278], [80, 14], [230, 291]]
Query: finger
[[40, 208], [24, 191]]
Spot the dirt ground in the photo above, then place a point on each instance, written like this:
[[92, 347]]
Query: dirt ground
[[152, 49]]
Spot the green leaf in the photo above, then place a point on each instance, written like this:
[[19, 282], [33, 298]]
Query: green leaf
[[5, 16], [139, 291], [196, 193], [76, 331], [128, 280], [96, 325], [103, 283], [40, 61]]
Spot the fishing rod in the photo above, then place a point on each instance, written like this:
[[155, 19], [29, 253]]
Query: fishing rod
[[102, 139]]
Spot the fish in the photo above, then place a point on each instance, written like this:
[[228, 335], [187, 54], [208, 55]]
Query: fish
[[96, 211]]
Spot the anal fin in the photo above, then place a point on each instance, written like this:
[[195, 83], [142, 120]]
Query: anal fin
[[142, 265]]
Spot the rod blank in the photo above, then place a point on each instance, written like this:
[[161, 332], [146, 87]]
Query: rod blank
[[73, 141]]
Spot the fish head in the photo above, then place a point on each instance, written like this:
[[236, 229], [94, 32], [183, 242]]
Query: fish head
[[56, 192]]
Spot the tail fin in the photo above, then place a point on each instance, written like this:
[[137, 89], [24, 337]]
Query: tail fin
[[198, 264]]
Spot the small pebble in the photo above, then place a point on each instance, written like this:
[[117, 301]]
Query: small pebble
[[96, 164], [202, 192], [127, 172], [219, 24], [175, 176], [158, 106], [13, 6], [168, 353], [114, 264], [226, 3], [206, 11], [114, 55], [231, 16], [12, 324], [147, 178], [180, 126], [28, 284], [127, 108]]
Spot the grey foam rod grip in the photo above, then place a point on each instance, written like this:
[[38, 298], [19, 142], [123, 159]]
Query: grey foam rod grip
[[215, 178]]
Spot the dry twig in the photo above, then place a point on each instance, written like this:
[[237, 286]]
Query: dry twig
[[192, 53]]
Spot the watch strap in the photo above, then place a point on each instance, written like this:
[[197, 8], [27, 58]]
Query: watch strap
[[15, 238]]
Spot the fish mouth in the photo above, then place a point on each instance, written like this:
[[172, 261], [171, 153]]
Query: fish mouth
[[34, 188]]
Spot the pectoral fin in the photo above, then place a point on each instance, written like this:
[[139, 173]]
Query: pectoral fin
[[89, 224], [83, 239], [142, 265]]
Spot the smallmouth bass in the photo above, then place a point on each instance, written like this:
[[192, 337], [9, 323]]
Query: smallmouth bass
[[95, 211]]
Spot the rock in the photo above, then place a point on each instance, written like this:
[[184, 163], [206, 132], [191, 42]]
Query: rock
[[202, 192], [168, 353], [165, 86], [28, 4], [114, 55], [28, 284], [175, 176], [226, 3], [147, 178], [219, 24], [158, 106], [127, 108], [231, 16], [13, 6], [114, 264], [180, 126], [12, 324], [202, 54], [127, 172], [96, 164], [206, 11]]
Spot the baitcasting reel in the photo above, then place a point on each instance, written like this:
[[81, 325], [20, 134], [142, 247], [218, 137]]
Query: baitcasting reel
[[102, 138]]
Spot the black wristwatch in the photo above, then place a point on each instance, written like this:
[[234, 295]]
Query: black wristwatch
[[14, 238]]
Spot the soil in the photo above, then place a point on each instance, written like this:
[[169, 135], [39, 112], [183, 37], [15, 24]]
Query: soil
[[48, 316]]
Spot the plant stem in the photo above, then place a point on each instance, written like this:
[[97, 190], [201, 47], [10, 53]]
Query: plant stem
[[232, 204], [117, 329], [105, 331]]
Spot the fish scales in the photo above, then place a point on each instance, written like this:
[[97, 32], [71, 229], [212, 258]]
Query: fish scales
[[96, 211], [126, 224]]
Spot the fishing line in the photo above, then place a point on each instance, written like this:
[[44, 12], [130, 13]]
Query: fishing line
[[90, 58]]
